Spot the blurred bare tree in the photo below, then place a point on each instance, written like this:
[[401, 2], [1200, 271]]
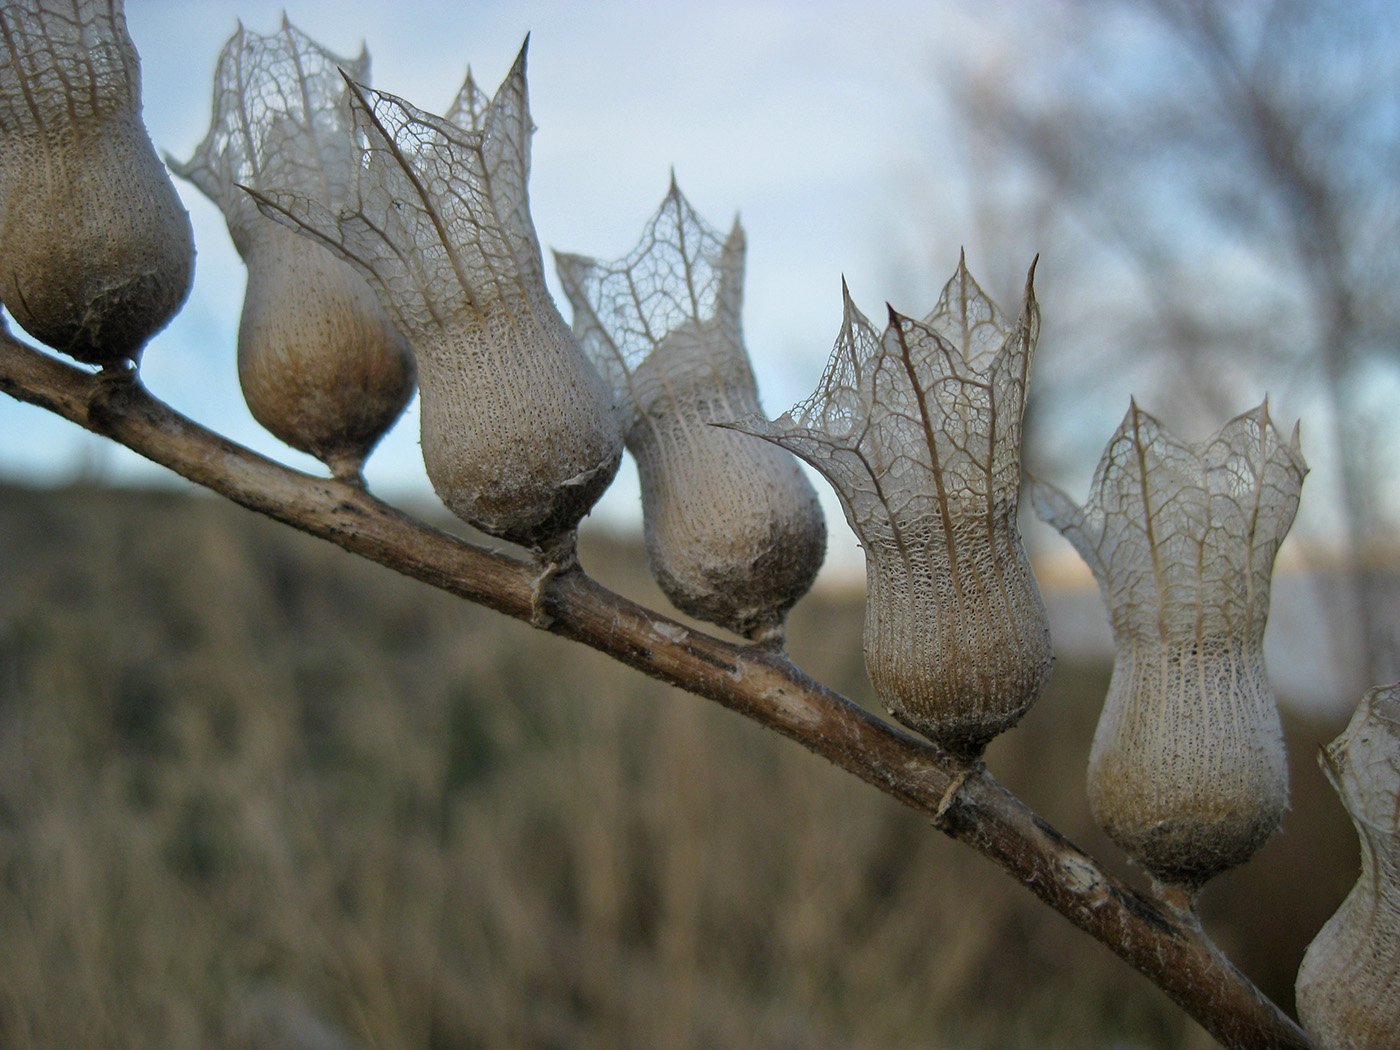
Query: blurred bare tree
[[1213, 185]]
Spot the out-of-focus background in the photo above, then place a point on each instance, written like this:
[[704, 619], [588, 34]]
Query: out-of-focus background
[[252, 790]]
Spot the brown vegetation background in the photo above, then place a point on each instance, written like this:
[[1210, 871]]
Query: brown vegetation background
[[256, 793]]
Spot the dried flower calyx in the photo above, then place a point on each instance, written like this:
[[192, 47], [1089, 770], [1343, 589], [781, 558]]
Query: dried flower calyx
[[319, 363], [1349, 982], [97, 249], [919, 431], [1187, 772], [519, 434], [734, 533]]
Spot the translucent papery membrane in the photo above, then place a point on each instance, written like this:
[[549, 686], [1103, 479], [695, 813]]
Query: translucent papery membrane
[[1182, 537], [1363, 764], [281, 122], [838, 414], [922, 422], [439, 216], [969, 320], [468, 109], [663, 322], [65, 65]]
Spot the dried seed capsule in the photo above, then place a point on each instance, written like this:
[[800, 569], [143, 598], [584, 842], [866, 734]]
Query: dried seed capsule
[[919, 432], [734, 533], [97, 247], [1349, 982], [519, 433], [320, 365], [1187, 772]]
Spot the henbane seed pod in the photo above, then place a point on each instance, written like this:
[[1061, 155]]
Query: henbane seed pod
[[1187, 772], [734, 533], [518, 430], [1349, 982], [919, 432], [320, 365], [98, 252]]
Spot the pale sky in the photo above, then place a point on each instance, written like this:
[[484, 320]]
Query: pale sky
[[801, 117]]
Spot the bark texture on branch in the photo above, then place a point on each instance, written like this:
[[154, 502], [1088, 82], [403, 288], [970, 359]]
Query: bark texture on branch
[[1166, 945]]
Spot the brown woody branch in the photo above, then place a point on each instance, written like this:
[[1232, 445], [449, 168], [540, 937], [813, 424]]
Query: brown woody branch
[[1164, 943]]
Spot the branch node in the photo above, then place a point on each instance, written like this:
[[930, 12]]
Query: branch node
[[950, 796], [113, 382], [771, 637], [555, 559]]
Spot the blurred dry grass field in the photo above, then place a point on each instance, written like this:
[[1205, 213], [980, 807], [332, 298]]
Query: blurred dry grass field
[[255, 793]]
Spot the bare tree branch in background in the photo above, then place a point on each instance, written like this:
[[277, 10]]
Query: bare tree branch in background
[[1222, 173]]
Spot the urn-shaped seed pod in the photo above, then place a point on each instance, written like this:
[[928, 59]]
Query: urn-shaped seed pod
[[734, 533], [919, 432], [97, 249], [1349, 982], [519, 433], [1187, 772], [320, 365]]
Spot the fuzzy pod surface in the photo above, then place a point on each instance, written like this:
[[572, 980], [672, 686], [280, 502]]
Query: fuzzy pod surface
[[918, 429], [320, 365], [1349, 982], [519, 434], [1187, 773], [319, 362], [734, 533], [98, 250]]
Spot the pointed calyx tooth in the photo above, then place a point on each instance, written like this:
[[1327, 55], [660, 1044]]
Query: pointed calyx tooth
[[1187, 772], [97, 248], [734, 533], [518, 430], [320, 364], [919, 431], [1349, 983]]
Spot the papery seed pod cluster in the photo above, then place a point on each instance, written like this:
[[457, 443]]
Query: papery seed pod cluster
[[734, 533], [518, 430], [1187, 772], [320, 365], [919, 431], [97, 248], [1349, 982]]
